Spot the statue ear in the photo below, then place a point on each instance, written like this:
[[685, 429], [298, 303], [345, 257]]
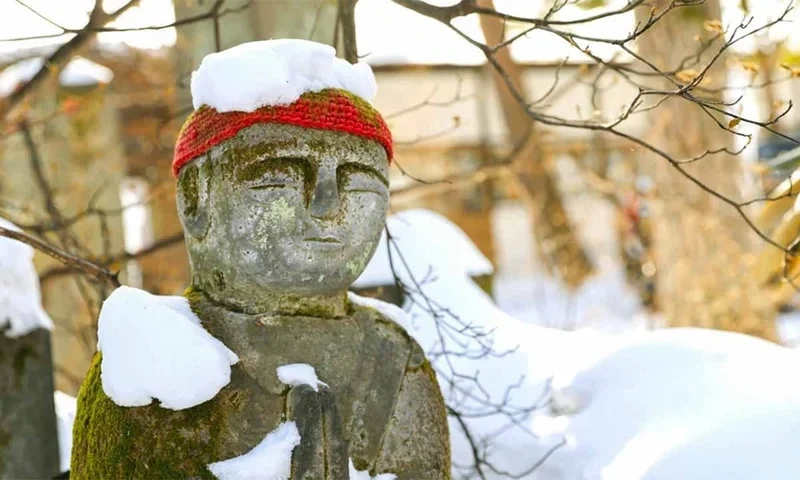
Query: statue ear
[[193, 198]]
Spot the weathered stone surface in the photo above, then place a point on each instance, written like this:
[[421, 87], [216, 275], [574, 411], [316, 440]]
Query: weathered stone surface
[[280, 220], [390, 410], [28, 437]]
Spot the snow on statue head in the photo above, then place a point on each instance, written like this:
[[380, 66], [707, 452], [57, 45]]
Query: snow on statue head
[[282, 171]]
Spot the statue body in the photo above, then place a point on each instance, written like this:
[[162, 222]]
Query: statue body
[[280, 220]]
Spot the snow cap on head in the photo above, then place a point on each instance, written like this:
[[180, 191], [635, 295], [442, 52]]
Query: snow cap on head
[[294, 82]]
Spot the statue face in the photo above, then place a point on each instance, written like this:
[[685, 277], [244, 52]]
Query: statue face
[[291, 209]]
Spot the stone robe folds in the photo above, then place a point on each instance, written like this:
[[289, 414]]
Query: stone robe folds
[[383, 407]]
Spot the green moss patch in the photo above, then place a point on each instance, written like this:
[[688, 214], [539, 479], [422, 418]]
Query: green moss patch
[[110, 441]]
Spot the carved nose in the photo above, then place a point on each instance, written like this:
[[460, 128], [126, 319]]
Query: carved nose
[[325, 203]]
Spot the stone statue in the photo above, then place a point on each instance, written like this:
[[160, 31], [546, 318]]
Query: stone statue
[[280, 218]]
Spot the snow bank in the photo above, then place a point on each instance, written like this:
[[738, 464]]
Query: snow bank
[[269, 460], [21, 309], [155, 348], [66, 406], [275, 72], [392, 312], [425, 234], [660, 392], [755, 444], [487, 342], [299, 374], [364, 475]]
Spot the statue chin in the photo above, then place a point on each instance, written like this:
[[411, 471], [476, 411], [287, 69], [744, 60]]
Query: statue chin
[[318, 268]]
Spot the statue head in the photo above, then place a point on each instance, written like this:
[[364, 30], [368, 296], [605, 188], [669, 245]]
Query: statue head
[[284, 200]]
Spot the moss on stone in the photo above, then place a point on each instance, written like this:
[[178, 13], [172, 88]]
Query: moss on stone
[[5, 439], [187, 186], [19, 363], [108, 439]]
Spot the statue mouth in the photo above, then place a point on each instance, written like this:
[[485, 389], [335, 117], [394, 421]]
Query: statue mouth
[[326, 240]]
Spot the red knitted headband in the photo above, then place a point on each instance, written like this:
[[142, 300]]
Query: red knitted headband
[[330, 109]]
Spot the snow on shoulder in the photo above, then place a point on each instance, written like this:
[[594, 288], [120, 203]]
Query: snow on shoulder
[[299, 374], [269, 460], [21, 309], [275, 72], [393, 312], [155, 348]]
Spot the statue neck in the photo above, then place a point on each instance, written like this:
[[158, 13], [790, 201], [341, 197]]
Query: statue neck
[[278, 303]]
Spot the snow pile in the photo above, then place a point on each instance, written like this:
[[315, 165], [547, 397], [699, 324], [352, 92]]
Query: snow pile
[[423, 233], [388, 310], [634, 405], [275, 72], [662, 404], [299, 374], [604, 302], [269, 460], [66, 406], [364, 475], [438, 261], [155, 348], [754, 444], [21, 309]]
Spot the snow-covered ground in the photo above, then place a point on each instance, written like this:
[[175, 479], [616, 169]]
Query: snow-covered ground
[[626, 402]]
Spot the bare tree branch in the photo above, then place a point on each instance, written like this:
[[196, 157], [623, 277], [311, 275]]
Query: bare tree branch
[[62, 55], [66, 258]]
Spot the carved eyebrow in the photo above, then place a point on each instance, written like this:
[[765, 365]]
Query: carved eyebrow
[[360, 167], [256, 169]]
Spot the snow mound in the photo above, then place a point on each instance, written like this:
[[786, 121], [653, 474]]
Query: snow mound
[[269, 460], [656, 391], [275, 72], [21, 309], [66, 406], [364, 475], [392, 312], [437, 262], [299, 374], [755, 444], [422, 233], [155, 348]]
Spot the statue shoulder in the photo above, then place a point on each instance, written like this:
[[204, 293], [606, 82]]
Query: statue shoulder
[[110, 441], [386, 315]]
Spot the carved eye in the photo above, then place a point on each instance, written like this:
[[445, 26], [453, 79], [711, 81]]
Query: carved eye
[[274, 173], [358, 178]]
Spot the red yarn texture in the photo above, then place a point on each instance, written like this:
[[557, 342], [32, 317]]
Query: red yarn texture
[[329, 109]]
